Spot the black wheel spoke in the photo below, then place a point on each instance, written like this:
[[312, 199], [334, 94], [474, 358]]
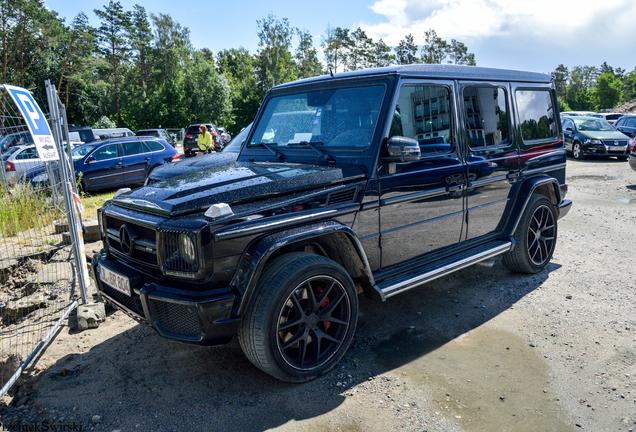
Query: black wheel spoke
[[302, 352], [296, 303], [291, 323], [322, 335], [334, 320], [328, 310], [316, 342], [300, 335], [325, 293], [311, 298]]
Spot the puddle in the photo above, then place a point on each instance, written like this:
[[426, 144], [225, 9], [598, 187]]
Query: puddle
[[628, 201], [477, 370], [592, 177]]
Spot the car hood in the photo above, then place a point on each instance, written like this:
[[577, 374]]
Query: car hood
[[191, 165], [604, 135], [231, 183]]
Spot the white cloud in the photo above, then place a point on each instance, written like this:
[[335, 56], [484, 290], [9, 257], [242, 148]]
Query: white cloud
[[478, 20]]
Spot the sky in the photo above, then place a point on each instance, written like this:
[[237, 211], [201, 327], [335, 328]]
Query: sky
[[533, 35]]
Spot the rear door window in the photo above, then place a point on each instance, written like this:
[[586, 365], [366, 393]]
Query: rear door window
[[486, 115], [133, 148], [536, 116]]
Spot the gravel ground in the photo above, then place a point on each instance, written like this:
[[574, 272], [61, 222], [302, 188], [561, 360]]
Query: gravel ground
[[481, 350]]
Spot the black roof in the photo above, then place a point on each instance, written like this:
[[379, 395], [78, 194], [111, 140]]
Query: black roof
[[444, 71]]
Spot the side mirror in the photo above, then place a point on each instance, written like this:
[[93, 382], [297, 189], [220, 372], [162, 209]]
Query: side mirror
[[402, 149], [90, 160], [569, 129]]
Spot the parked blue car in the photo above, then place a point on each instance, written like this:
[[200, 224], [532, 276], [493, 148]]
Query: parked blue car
[[111, 163]]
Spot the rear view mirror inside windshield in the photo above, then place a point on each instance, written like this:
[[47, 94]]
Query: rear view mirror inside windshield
[[319, 98]]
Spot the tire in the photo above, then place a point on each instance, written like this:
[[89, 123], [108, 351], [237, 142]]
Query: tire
[[622, 157], [535, 237], [300, 299], [81, 187], [577, 151]]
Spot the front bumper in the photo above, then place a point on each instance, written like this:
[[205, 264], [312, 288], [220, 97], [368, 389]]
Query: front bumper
[[604, 150], [191, 316]]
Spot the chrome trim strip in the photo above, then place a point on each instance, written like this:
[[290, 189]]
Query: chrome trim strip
[[442, 271], [543, 170], [417, 195]]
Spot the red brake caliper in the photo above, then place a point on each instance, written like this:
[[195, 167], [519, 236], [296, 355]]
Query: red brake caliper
[[324, 305]]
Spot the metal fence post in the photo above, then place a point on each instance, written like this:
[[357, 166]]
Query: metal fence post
[[75, 226]]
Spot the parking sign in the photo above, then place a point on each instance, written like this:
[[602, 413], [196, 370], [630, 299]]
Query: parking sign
[[39, 128]]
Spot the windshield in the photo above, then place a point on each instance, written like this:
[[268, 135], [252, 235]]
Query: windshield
[[82, 151], [589, 124], [10, 151], [336, 118]]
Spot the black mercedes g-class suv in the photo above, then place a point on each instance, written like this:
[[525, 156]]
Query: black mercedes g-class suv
[[372, 182]]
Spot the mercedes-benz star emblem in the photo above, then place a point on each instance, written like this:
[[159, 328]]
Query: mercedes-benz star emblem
[[127, 239]]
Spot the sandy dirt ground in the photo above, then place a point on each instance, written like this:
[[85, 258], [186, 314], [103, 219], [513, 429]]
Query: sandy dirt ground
[[481, 350]]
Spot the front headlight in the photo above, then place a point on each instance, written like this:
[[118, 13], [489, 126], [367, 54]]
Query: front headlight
[[40, 178], [593, 141], [186, 248]]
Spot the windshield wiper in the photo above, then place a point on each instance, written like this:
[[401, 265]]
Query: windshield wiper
[[275, 152], [326, 156]]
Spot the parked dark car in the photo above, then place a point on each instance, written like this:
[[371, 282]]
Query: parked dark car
[[158, 133], [112, 163], [627, 125], [229, 154], [632, 154], [610, 117], [276, 246], [593, 136], [190, 147], [81, 133], [14, 139], [225, 135]]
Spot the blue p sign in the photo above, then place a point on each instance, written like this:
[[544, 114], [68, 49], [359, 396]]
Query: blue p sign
[[30, 110]]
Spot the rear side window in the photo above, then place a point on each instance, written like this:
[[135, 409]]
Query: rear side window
[[154, 145], [423, 113], [486, 116], [536, 114], [630, 122], [133, 148]]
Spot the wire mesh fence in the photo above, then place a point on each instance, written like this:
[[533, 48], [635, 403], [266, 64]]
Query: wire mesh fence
[[39, 278]]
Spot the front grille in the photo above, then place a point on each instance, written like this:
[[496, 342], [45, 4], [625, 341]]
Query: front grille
[[177, 318], [615, 142], [133, 303], [173, 256], [341, 197], [145, 247]]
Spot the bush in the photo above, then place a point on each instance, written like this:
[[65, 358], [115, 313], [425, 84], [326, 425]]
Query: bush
[[26, 208]]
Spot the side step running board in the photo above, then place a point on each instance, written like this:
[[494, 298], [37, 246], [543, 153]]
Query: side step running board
[[435, 270]]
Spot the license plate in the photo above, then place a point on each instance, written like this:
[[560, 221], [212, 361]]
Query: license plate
[[614, 148], [114, 280]]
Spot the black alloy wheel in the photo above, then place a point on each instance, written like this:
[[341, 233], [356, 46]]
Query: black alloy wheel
[[535, 237], [301, 319], [313, 322]]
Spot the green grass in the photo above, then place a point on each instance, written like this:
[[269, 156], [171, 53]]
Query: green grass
[[93, 201], [24, 209]]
